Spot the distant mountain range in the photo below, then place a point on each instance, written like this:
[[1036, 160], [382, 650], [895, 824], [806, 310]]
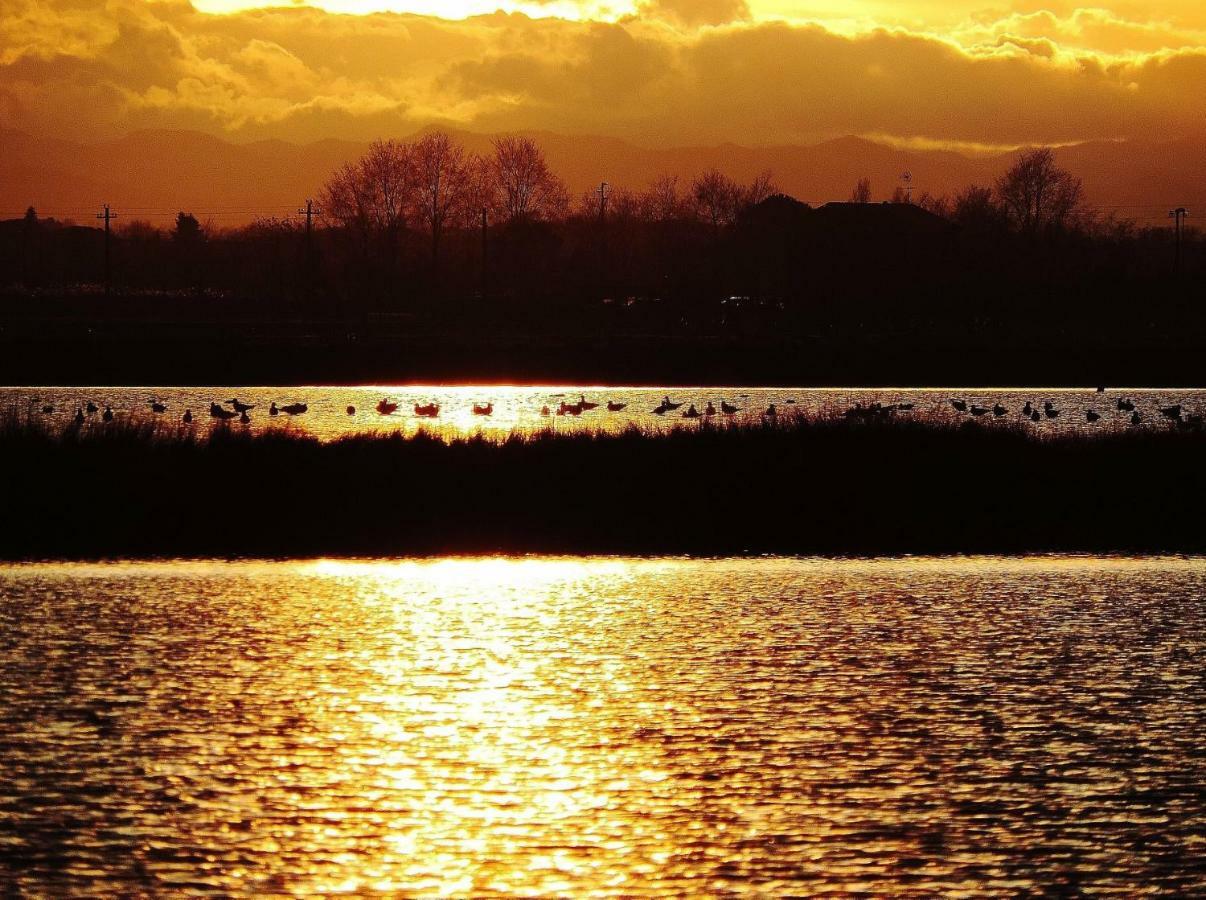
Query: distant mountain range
[[152, 174]]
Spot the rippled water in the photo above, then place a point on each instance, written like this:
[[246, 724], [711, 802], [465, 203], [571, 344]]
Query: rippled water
[[520, 406], [607, 726]]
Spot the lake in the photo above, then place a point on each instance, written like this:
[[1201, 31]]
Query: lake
[[521, 407], [606, 726]]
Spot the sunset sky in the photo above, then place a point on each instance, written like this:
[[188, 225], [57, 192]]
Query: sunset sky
[[924, 73]]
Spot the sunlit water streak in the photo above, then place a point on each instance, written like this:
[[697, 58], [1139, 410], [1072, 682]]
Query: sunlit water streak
[[604, 726], [519, 407]]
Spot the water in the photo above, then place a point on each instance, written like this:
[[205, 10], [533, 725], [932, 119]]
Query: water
[[552, 726], [519, 407]]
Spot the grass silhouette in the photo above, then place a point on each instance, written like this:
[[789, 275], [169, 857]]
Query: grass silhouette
[[797, 485]]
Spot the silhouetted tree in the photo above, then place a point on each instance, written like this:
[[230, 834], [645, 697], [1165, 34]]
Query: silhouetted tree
[[442, 183], [861, 192], [1038, 195], [188, 230], [527, 189], [716, 197]]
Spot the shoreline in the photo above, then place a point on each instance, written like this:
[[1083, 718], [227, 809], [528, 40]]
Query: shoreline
[[800, 487]]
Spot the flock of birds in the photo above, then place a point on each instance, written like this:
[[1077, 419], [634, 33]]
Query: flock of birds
[[236, 409], [1174, 413]]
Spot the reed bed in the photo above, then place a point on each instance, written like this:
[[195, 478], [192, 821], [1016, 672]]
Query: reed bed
[[795, 485]]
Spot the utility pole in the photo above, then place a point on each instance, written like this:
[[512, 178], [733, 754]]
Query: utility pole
[[484, 252], [310, 212], [1178, 215], [107, 215], [603, 191]]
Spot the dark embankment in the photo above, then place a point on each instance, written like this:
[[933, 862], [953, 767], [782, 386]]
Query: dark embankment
[[829, 487]]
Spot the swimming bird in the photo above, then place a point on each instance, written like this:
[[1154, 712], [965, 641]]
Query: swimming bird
[[978, 410], [615, 407], [487, 410], [91, 407], [1050, 411], [998, 410], [1171, 412], [545, 411], [771, 412], [107, 415], [240, 407], [294, 409], [272, 410], [1135, 418], [48, 408], [584, 403], [711, 410], [430, 411], [1091, 416], [1100, 389], [1027, 409], [727, 408], [659, 410], [1126, 405], [666, 402], [244, 418], [187, 418], [960, 405], [218, 412], [385, 407], [351, 410], [691, 413], [79, 417], [1034, 416], [158, 407]]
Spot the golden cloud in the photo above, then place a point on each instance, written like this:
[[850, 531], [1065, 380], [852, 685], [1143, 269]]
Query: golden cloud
[[673, 72]]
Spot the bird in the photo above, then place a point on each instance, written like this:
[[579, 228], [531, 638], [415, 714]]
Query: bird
[[48, 408], [1050, 411], [545, 411], [1135, 418], [244, 418], [91, 407], [351, 410], [711, 410], [158, 407], [1125, 405], [1091, 416], [1100, 389], [240, 407], [187, 418], [978, 410], [771, 412], [1034, 416], [107, 415], [272, 410], [1027, 409], [960, 405], [218, 412], [79, 417], [666, 402], [727, 408], [615, 407], [1171, 412], [385, 407], [294, 409], [584, 403], [486, 410], [691, 413], [999, 410]]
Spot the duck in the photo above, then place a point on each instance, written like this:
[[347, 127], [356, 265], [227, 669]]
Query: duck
[[157, 407], [1171, 412], [90, 408], [79, 417], [244, 418], [979, 410], [691, 413], [727, 408], [1136, 418], [660, 410], [294, 409], [584, 403], [1027, 409], [351, 410], [272, 410], [385, 407], [240, 407], [960, 405], [218, 412], [487, 410], [545, 411], [430, 411], [187, 418], [1034, 416], [1091, 416], [615, 407], [710, 410], [669, 404], [107, 415], [48, 408], [569, 409], [771, 412], [998, 410], [1050, 412], [1125, 405]]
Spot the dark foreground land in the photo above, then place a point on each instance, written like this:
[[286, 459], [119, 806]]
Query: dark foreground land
[[799, 486]]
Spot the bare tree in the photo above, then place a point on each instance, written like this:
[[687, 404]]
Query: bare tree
[[373, 193], [1038, 195], [716, 197], [662, 202], [759, 189], [527, 189], [861, 192], [441, 184], [976, 208]]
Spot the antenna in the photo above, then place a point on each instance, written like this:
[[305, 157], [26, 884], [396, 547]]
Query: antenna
[[906, 178], [107, 215]]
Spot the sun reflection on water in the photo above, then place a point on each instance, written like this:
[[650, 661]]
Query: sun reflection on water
[[467, 727]]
